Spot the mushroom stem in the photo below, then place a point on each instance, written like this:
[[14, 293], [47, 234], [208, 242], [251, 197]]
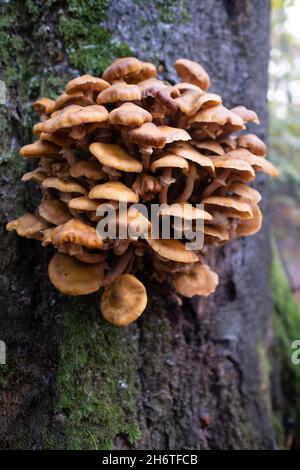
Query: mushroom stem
[[69, 156], [189, 184], [215, 184], [146, 153], [163, 195], [118, 267]]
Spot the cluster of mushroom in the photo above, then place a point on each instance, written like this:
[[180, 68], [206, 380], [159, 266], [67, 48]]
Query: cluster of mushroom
[[131, 137]]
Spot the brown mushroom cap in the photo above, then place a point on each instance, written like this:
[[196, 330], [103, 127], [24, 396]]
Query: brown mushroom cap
[[246, 114], [37, 175], [172, 249], [119, 92], [258, 163], [251, 226], [88, 168], [253, 143], [147, 135], [169, 160], [70, 186], [192, 72], [188, 101], [44, 105], [130, 115], [124, 300], [218, 115], [148, 71], [185, 210], [72, 277], [186, 151], [86, 82], [39, 149], [54, 211], [237, 207], [200, 280], [115, 156], [83, 203], [210, 145], [28, 225], [174, 133], [114, 190], [72, 98], [74, 116], [244, 191], [120, 68], [76, 231]]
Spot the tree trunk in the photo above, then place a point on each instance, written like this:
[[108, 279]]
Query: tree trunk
[[189, 377]]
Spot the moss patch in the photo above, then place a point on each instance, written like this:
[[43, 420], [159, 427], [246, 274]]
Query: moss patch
[[286, 321], [95, 388], [90, 47]]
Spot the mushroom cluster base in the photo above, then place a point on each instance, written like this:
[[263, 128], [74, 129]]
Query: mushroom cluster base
[[130, 137]]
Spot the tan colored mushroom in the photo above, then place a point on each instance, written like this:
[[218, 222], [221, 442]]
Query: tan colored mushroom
[[186, 151], [169, 160], [119, 92], [70, 186], [253, 143], [84, 203], [258, 163], [244, 191], [44, 106], [28, 225], [121, 68], [192, 72], [87, 84], [216, 120], [200, 280], [54, 211], [73, 277], [115, 156], [251, 226], [37, 175], [147, 135], [88, 168], [130, 115], [172, 249], [114, 190], [124, 300], [146, 186], [185, 210], [246, 114], [230, 205], [174, 133], [148, 71], [39, 149], [76, 231]]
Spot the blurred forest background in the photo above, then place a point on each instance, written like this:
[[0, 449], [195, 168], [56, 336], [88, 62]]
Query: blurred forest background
[[284, 103]]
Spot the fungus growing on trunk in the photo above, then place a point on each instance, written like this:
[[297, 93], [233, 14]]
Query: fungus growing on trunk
[[132, 138]]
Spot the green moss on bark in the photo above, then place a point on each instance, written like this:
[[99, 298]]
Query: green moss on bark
[[95, 399]]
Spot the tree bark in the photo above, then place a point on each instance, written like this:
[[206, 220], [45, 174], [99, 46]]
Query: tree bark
[[182, 377]]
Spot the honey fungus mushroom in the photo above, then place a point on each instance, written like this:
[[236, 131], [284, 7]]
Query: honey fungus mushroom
[[129, 136]]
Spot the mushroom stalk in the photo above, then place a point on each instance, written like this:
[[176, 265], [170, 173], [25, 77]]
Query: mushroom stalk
[[118, 267], [216, 184], [189, 185], [163, 195]]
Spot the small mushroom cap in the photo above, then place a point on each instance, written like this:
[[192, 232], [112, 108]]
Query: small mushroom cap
[[54, 211], [185, 210], [244, 191], [219, 115], [115, 156], [253, 143], [86, 82], [39, 149], [130, 115], [60, 140], [72, 277], [200, 280], [234, 163], [37, 175], [74, 116], [174, 133], [210, 145], [231, 203], [70, 186], [88, 168], [120, 68], [246, 114], [147, 135], [258, 163], [216, 231], [124, 300], [186, 151], [76, 231], [172, 249], [251, 226], [188, 102], [27, 225], [44, 105], [114, 190], [119, 92], [74, 98], [192, 72], [148, 71], [169, 160], [83, 203]]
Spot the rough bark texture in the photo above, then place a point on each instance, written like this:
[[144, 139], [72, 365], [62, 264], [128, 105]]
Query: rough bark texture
[[190, 377]]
